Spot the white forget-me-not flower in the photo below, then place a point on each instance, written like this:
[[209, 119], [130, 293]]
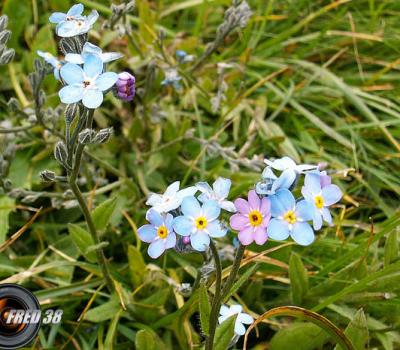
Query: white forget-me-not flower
[[219, 192], [87, 84], [241, 318], [50, 59]]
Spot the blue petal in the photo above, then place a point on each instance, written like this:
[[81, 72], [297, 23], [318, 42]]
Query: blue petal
[[74, 58], [75, 10], [170, 241], [169, 221], [278, 229], [92, 17], [57, 17], [110, 56], [93, 65], [106, 80], [312, 182], [71, 94], [281, 202], [211, 210], [221, 187], [327, 215], [147, 233], [156, 248], [69, 29], [90, 48], [92, 98], [154, 217], [190, 206], [183, 225], [72, 73], [317, 219], [216, 230], [331, 195], [200, 241], [302, 233], [285, 180], [56, 73], [304, 210]]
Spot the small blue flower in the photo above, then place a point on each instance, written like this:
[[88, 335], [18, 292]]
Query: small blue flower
[[90, 49], [270, 183], [73, 23], [50, 59], [290, 218], [183, 57], [199, 222], [172, 78], [219, 193], [320, 197], [159, 233], [87, 84]]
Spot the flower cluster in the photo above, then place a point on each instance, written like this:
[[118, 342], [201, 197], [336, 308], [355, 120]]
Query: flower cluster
[[272, 210], [195, 220], [83, 73]]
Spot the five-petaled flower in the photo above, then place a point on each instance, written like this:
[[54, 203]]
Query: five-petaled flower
[[199, 222], [171, 199], [87, 84], [219, 192], [241, 317], [290, 218], [73, 22], [320, 197], [90, 49], [252, 219], [50, 59], [159, 233]]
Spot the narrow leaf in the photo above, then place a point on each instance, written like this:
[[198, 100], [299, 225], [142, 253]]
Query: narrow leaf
[[241, 281], [224, 334], [298, 279], [357, 331], [137, 266], [391, 247], [204, 308], [83, 240], [102, 214]]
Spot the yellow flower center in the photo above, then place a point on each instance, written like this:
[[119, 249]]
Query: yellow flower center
[[319, 202], [201, 223], [290, 217], [255, 218], [162, 232]]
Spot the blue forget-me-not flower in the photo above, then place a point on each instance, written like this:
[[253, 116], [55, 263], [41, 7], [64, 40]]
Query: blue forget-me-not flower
[[73, 22], [159, 233], [320, 198], [87, 84], [199, 222], [290, 218]]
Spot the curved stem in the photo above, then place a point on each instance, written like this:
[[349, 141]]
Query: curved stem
[[216, 303], [235, 268], [86, 213]]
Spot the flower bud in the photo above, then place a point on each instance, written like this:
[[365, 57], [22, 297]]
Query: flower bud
[[7, 56], [3, 22], [125, 86], [86, 136], [103, 135], [61, 153], [4, 36], [48, 176], [70, 112]]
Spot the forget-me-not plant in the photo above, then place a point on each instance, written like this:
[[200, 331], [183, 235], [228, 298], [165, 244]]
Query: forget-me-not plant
[[90, 49], [53, 61], [219, 192]]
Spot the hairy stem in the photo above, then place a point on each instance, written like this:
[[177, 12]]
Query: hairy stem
[[235, 268], [86, 213], [216, 303]]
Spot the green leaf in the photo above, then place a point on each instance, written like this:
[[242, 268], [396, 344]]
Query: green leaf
[[112, 331], [83, 240], [102, 214], [204, 308], [391, 247], [357, 331], [298, 279], [148, 340], [241, 281], [6, 206], [224, 334], [299, 336], [105, 311], [137, 266]]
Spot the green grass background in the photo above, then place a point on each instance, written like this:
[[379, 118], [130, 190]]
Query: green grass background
[[315, 80]]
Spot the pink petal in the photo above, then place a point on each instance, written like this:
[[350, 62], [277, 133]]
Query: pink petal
[[246, 236], [265, 207], [242, 206], [265, 221], [254, 200], [239, 221], [260, 235]]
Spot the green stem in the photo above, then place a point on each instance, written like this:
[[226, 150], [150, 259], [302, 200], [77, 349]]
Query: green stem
[[235, 268], [85, 210], [216, 303]]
